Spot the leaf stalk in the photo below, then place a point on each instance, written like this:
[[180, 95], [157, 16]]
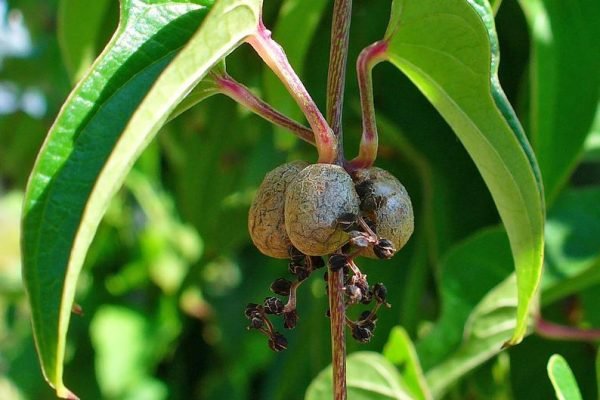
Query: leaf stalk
[[235, 90], [274, 56], [368, 58]]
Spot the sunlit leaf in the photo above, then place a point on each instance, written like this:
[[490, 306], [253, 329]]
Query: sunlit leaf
[[485, 332], [400, 351], [478, 309], [450, 52], [369, 377], [105, 124], [562, 379]]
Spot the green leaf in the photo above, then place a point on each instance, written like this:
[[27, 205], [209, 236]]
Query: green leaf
[[564, 83], [464, 284], [294, 16], [399, 350], [485, 332], [449, 51], [79, 23], [572, 244], [478, 309], [562, 379], [369, 376], [495, 5], [598, 371], [105, 124]]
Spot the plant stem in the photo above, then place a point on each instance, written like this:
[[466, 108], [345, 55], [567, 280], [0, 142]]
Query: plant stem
[[561, 332], [336, 79], [241, 94], [337, 311], [368, 58], [336, 76], [274, 56]]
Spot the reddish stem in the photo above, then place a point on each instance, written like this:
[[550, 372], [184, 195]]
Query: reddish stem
[[551, 330], [337, 311], [241, 94], [368, 58], [336, 79], [274, 56], [336, 75]]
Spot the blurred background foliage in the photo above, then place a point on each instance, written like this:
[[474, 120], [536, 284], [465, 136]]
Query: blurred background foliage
[[171, 267]]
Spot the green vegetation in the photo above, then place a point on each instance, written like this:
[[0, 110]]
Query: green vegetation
[[133, 240]]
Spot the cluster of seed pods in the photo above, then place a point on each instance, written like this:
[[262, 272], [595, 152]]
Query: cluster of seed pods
[[307, 212]]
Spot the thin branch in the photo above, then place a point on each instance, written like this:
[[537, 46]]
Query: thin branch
[[336, 76], [554, 331], [241, 94], [336, 79], [337, 311], [274, 56]]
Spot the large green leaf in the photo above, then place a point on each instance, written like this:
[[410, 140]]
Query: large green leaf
[[450, 52], [79, 24], [478, 306], [562, 379], [565, 83], [486, 329], [107, 121], [369, 376]]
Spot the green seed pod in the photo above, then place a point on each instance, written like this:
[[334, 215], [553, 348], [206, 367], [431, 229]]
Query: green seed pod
[[315, 200], [266, 217], [385, 201]]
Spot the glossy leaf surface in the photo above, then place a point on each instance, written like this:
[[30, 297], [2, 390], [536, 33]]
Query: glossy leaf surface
[[106, 122], [449, 51]]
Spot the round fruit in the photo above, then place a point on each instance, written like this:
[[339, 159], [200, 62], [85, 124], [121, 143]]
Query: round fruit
[[314, 201], [386, 203], [266, 217]]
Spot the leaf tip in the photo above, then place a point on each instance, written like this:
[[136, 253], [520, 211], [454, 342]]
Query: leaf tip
[[65, 393], [512, 342]]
